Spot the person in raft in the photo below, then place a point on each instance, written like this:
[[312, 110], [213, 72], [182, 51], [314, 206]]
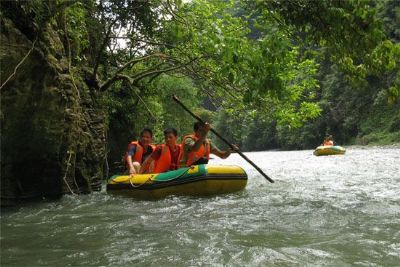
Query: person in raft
[[138, 151], [196, 148], [165, 157], [328, 141]]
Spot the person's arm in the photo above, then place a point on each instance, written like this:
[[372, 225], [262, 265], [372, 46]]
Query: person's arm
[[150, 160], [130, 165], [219, 153], [129, 160], [194, 146], [191, 145], [222, 154]]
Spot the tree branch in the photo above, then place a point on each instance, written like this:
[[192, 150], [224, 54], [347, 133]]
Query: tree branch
[[144, 41], [19, 64], [116, 76], [225, 85], [177, 17], [102, 47], [112, 80], [154, 77], [144, 74], [141, 75], [144, 103]]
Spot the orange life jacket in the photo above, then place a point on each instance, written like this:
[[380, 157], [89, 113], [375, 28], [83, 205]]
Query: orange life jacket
[[165, 163], [138, 153], [193, 156]]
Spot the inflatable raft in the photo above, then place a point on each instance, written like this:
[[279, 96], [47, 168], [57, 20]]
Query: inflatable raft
[[201, 180], [329, 150]]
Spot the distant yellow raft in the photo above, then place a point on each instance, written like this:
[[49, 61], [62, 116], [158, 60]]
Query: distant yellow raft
[[201, 180], [329, 150]]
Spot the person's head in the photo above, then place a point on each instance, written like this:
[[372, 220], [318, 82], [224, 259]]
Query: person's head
[[170, 136], [146, 136], [198, 126]]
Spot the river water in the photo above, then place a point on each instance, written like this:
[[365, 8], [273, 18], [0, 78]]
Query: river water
[[321, 211]]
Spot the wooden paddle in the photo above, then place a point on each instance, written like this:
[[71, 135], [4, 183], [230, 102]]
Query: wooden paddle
[[176, 99]]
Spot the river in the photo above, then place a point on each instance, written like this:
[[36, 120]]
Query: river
[[321, 211]]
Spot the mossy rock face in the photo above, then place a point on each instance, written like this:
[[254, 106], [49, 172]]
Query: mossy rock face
[[52, 132]]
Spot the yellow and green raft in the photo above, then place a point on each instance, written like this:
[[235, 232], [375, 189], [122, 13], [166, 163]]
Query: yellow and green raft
[[329, 150], [201, 180]]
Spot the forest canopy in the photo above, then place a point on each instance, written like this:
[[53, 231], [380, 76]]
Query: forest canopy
[[268, 74]]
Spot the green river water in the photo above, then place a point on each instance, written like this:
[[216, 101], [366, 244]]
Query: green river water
[[321, 211]]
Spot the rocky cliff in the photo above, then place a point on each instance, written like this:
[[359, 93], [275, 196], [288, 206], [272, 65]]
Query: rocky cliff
[[52, 128]]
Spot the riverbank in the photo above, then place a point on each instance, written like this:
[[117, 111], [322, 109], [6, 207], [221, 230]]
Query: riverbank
[[379, 138]]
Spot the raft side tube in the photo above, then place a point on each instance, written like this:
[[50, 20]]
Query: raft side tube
[[202, 180]]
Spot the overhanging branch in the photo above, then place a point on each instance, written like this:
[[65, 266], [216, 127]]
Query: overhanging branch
[[141, 75], [116, 76]]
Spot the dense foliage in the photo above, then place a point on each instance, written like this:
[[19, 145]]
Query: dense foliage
[[269, 74], [356, 46]]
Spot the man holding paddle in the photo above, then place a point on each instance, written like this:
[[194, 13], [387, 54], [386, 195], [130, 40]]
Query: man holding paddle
[[196, 148], [176, 99]]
